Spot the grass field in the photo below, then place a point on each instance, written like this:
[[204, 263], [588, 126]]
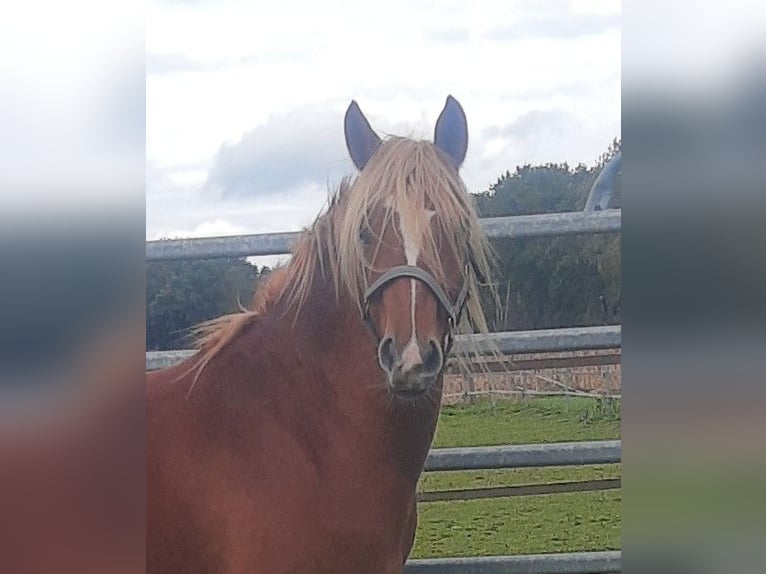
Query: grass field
[[528, 524]]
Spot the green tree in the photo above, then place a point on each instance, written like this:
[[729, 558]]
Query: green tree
[[182, 294], [559, 281]]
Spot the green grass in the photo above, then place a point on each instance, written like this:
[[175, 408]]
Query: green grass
[[552, 419], [520, 525]]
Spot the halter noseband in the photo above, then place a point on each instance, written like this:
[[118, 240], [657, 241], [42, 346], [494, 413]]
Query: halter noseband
[[453, 310]]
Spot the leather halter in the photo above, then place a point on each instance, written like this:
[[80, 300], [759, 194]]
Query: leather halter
[[453, 310]]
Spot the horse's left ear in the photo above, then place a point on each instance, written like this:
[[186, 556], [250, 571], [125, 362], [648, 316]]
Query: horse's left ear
[[451, 133]]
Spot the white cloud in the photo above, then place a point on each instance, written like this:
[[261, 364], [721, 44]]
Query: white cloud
[[187, 210], [270, 160], [215, 228]]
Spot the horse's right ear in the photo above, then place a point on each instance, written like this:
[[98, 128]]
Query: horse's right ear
[[361, 141]]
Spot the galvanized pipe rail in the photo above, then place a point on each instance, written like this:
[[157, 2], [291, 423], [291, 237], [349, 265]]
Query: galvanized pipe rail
[[524, 456], [508, 342], [564, 487], [544, 225], [563, 563]]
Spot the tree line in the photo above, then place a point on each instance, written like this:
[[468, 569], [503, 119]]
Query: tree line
[[542, 282]]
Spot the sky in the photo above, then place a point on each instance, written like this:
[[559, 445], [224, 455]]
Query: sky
[[245, 100]]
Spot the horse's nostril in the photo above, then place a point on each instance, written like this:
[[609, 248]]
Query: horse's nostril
[[387, 354], [433, 358]]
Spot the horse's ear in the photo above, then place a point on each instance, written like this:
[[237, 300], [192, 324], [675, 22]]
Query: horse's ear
[[451, 133], [361, 141]]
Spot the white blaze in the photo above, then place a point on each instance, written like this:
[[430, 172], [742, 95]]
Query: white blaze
[[411, 236]]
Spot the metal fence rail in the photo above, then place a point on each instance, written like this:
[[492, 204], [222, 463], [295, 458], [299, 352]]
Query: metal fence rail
[[544, 340], [520, 490], [564, 563], [509, 343], [156, 360], [547, 224], [524, 456]]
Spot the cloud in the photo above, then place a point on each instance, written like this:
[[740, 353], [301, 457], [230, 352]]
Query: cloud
[[182, 2], [302, 146], [555, 26], [213, 228], [538, 137], [448, 35], [534, 124], [181, 211], [162, 64], [398, 92]]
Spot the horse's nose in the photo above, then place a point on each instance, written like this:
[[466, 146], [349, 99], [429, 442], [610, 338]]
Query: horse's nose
[[405, 371], [388, 356], [432, 359]]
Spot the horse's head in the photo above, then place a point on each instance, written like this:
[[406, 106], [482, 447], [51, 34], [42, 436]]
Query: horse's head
[[410, 245]]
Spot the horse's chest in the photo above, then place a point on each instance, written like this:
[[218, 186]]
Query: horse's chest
[[322, 529]]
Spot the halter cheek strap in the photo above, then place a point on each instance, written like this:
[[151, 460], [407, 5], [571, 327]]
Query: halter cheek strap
[[453, 310]]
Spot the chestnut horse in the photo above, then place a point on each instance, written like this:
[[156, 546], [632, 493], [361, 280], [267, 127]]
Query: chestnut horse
[[292, 442]]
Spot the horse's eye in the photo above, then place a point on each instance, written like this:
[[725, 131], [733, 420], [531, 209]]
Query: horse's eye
[[365, 236]]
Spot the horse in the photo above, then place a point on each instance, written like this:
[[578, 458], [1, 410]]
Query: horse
[[293, 440]]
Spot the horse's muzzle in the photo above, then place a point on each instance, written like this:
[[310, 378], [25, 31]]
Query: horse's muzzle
[[407, 377]]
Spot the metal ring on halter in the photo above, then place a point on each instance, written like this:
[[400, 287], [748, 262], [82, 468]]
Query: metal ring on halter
[[453, 310]]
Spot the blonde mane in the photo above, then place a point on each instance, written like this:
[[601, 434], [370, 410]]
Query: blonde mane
[[403, 176]]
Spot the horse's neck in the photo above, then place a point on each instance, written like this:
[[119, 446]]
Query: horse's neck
[[346, 358]]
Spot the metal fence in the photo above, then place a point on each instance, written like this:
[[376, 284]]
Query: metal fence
[[508, 342], [547, 224], [563, 563], [513, 342], [524, 456]]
